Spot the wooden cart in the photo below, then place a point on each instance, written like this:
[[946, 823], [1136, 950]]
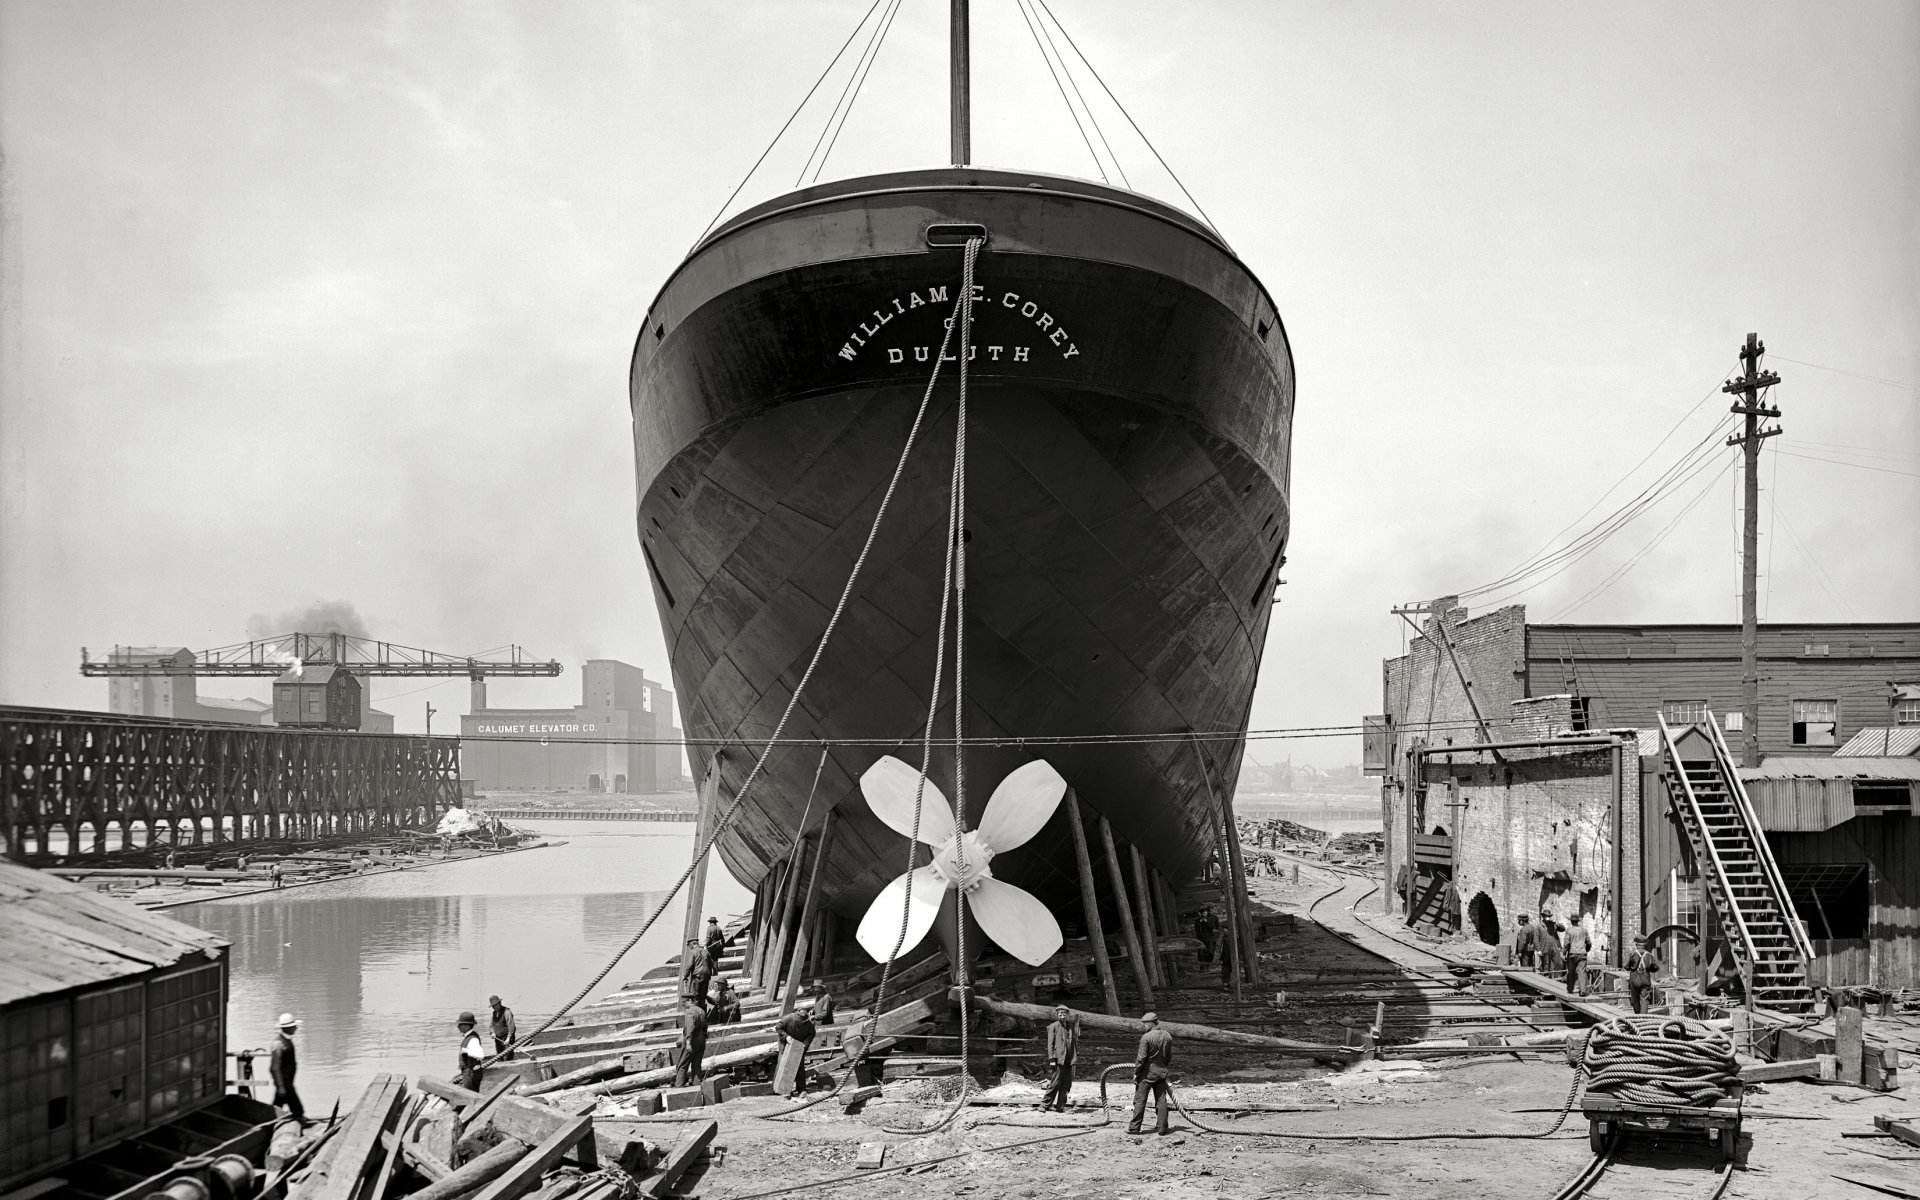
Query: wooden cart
[[1607, 1116]]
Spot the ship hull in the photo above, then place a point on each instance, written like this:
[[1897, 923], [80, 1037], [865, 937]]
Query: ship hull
[[1130, 399]]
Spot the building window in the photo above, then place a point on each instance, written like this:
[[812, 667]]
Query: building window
[[1685, 893], [1815, 722], [1582, 712], [1684, 712], [1906, 712]]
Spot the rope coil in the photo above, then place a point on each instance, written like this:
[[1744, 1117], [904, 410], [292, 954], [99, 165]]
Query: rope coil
[[1658, 1060]]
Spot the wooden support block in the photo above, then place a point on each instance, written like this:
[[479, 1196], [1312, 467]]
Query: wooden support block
[[1829, 1067], [855, 1100], [1802, 1068], [520, 1177], [755, 1089], [647, 1103], [786, 1074], [713, 1085], [1901, 1127], [1849, 1041], [695, 1139], [872, 1156], [360, 1144], [647, 1060], [675, 1099]]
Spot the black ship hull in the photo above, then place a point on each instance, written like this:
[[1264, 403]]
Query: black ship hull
[[1131, 396]]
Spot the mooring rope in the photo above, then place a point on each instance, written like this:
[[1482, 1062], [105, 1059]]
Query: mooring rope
[[1659, 1060]]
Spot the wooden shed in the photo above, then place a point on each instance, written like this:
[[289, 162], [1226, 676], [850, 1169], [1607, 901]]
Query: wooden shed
[[112, 1024], [317, 698]]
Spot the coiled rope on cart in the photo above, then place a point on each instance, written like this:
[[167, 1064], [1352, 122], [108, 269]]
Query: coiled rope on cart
[[1658, 1060]]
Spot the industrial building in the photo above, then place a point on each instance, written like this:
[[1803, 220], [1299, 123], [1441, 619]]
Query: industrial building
[[176, 696], [1525, 770], [619, 738], [113, 1032]]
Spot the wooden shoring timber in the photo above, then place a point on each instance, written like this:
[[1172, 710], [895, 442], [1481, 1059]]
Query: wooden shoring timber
[[478, 1173], [1179, 1029], [517, 1179], [1250, 959], [1150, 936], [697, 882], [1090, 903], [783, 939], [1142, 974], [807, 915]]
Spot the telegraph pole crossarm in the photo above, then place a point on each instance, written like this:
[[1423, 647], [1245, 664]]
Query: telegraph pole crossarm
[[1751, 382]]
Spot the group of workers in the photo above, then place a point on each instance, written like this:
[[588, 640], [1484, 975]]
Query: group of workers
[[706, 1001], [1152, 1061], [1555, 948]]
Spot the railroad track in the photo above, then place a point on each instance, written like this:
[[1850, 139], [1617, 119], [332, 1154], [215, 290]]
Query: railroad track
[[1646, 1173]]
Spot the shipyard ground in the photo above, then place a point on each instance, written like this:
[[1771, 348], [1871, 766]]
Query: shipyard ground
[[1791, 1146]]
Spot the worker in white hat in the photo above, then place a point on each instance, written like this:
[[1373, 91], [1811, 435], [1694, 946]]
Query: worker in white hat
[[282, 1064]]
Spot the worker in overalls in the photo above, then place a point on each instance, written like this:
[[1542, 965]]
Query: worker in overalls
[[1642, 965]]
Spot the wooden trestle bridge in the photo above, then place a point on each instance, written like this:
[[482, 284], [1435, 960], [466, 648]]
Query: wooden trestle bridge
[[105, 782]]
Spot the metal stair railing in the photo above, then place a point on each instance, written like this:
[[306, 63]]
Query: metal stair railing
[[1702, 834], [1769, 869]]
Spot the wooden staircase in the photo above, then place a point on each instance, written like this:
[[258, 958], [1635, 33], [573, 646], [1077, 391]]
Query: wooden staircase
[[1768, 941]]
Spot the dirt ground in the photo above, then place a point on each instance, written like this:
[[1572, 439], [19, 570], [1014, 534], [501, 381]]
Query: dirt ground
[[1791, 1146]]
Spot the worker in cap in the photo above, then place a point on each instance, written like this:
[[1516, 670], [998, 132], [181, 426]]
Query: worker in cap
[[823, 1003], [1063, 1046], [504, 1028], [690, 1055], [1642, 965], [1151, 1061], [473, 1052], [696, 971], [716, 942], [282, 1064]]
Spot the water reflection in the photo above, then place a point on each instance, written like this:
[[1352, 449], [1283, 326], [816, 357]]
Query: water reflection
[[379, 967]]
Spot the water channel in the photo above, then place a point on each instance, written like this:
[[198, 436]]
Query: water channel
[[378, 967]]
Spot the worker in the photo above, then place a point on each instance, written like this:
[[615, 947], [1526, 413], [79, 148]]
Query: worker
[[1228, 944], [1641, 966], [170, 858], [1525, 948], [473, 1052], [696, 970], [283, 1064], [1150, 1063], [796, 1027], [1577, 945], [716, 941], [725, 1009], [692, 1050], [823, 1004], [240, 862], [278, 873], [1552, 955], [1203, 929], [1063, 1045], [505, 1029]]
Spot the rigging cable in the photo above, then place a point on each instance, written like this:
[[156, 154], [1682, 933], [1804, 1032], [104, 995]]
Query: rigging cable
[[1129, 116], [1091, 119], [1097, 164], [788, 123], [851, 94], [793, 701]]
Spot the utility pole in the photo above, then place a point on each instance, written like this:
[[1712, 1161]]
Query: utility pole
[[430, 711], [1747, 388]]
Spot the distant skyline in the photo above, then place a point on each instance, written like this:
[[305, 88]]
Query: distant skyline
[[305, 303]]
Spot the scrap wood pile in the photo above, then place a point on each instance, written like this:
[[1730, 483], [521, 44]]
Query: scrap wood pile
[[1657, 1060]]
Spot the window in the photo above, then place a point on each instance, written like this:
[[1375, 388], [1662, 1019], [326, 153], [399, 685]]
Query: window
[[1684, 892], [1906, 712], [1684, 712], [1815, 722], [1582, 713]]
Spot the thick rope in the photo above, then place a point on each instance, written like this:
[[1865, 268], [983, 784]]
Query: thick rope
[[793, 701], [1660, 1061]]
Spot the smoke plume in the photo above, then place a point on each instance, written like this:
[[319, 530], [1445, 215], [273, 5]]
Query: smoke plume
[[322, 616]]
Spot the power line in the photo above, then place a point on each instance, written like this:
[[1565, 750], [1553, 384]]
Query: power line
[[1633, 561], [1843, 371], [1857, 466]]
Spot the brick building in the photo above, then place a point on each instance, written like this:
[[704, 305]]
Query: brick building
[[619, 738], [1567, 811]]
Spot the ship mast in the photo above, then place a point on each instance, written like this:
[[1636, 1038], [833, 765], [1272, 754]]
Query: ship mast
[[957, 108]]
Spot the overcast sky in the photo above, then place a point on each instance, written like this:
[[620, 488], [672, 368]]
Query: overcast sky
[[333, 302]]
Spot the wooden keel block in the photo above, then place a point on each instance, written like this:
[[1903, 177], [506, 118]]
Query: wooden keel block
[[647, 1103], [713, 1085], [676, 1099], [872, 1156]]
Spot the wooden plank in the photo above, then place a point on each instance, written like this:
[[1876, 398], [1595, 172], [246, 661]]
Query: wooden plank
[[361, 1143], [532, 1121], [1880, 1184], [786, 1074], [391, 1143], [1799, 1068], [527, 1172], [1903, 1128], [478, 1173], [1536, 982], [1849, 1036], [473, 1112], [692, 1142]]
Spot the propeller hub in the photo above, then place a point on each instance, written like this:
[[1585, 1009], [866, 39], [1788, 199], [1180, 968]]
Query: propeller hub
[[947, 861]]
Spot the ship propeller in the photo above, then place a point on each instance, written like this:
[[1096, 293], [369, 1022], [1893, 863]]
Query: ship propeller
[[1013, 917]]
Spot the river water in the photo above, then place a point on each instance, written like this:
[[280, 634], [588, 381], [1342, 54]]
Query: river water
[[379, 967]]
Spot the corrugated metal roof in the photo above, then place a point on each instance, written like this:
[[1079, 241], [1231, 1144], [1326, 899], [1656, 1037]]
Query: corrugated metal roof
[[1789, 767], [56, 935], [1882, 743]]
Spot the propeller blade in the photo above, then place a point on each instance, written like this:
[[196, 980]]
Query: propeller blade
[[1016, 920], [880, 928], [890, 786], [1021, 805]]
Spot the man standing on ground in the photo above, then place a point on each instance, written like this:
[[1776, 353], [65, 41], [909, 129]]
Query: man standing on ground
[[282, 1065], [1063, 1045], [1151, 1061], [1523, 943], [504, 1027], [693, 1044], [472, 1053], [278, 874], [1577, 958], [1641, 965], [716, 943], [823, 1005], [696, 970]]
